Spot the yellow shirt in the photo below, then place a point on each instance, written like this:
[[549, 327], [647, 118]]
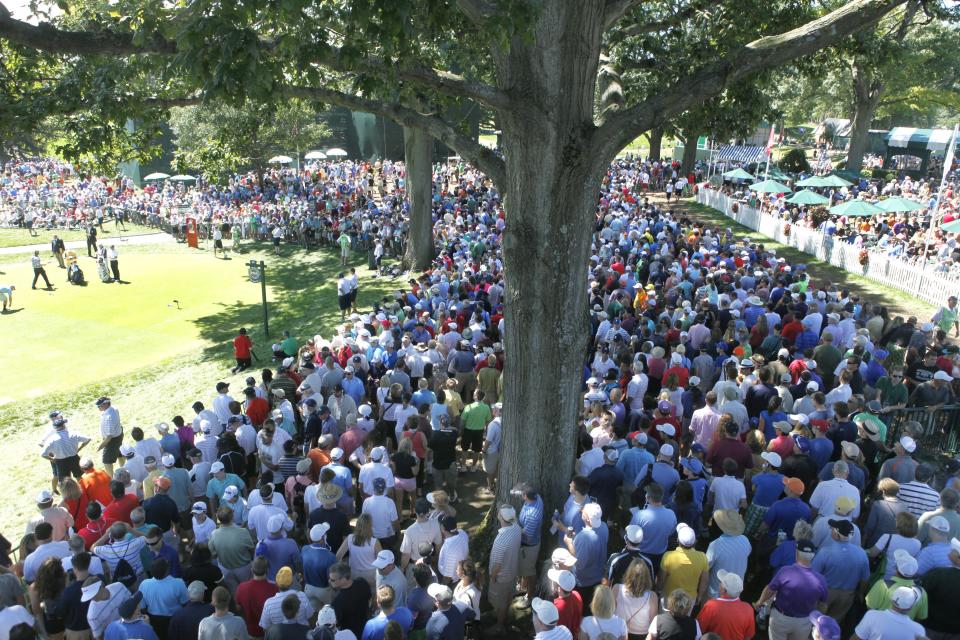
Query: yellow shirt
[[683, 568], [453, 402]]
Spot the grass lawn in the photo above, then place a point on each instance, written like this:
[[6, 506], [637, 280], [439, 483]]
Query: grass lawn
[[20, 237], [67, 347]]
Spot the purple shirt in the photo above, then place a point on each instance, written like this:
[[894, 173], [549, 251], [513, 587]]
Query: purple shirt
[[799, 589]]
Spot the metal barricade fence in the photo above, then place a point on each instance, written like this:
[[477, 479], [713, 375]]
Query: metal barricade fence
[[940, 433]]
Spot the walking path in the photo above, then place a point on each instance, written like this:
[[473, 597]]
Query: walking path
[[144, 238]]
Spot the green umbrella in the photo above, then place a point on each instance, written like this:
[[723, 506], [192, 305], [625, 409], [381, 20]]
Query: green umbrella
[[951, 227], [807, 197], [776, 174], [855, 208], [897, 203], [156, 176], [833, 180], [738, 174], [813, 181], [770, 186]]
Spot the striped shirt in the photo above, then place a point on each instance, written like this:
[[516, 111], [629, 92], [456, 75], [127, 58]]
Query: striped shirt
[[531, 519], [128, 550], [62, 444], [102, 612], [454, 549], [110, 422], [506, 553], [272, 613], [918, 497]]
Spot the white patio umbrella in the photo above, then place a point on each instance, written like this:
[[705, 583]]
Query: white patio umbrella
[[157, 176], [280, 160], [315, 155], [182, 177], [336, 153]]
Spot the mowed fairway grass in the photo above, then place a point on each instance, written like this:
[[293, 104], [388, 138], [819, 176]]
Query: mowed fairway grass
[[63, 349]]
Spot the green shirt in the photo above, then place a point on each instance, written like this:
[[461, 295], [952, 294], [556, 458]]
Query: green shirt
[[947, 317], [475, 416], [232, 546], [891, 394], [289, 346], [880, 597], [344, 241]]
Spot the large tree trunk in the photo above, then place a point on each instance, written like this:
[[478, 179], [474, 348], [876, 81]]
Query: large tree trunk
[[689, 153], [418, 152], [550, 195], [867, 90], [656, 142]]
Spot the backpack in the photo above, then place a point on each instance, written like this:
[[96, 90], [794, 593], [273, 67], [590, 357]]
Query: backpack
[[639, 496], [125, 575]]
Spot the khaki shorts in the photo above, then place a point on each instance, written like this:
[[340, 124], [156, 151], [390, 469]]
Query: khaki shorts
[[491, 462], [528, 561], [499, 594]]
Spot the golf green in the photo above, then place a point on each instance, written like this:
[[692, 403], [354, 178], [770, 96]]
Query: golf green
[[77, 335]]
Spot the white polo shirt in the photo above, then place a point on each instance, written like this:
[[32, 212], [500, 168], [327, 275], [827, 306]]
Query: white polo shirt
[[383, 512]]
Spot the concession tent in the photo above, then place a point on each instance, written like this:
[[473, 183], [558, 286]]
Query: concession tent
[[921, 143]]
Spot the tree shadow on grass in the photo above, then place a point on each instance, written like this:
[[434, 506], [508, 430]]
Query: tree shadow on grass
[[301, 298]]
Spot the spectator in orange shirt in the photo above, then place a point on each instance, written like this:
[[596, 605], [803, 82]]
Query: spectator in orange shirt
[[258, 409], [95, 483], [242, 346]]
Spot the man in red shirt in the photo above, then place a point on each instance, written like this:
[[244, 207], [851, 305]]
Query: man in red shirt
[[258, 409], [728, 615], [96, 525], [252, 594], [242, 346], [568, 601], [123, 503]]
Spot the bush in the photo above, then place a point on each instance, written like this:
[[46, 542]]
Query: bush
[[881, 174], [819, 215], [866, 173], [794, 161]]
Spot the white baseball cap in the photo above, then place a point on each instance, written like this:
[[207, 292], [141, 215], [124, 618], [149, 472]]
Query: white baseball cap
[[318, 531], [217, 466], [686, 536], [545, 611], [634, 534], [563, 578], [666, 451], [731, 582], [168, 460], [905, 597], [383, 559], [909, 444]]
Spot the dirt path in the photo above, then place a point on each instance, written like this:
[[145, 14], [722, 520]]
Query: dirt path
[[896, 301]]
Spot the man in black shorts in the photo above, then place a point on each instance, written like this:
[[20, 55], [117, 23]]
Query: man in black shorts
[[344, 287]]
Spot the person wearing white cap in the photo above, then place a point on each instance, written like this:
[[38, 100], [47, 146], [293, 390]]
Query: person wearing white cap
[[934, 392], [902, 467], [618, 563], [546, 619], [316, 559], [448, 620], [589, 546], [105, 601], [685, 567], [504, 565], [203, 525], [726, 614], [936, 552], [390, 575], [892, 623], [375, 468], [260, 515]]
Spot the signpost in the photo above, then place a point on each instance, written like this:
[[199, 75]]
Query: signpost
[[258, 273]]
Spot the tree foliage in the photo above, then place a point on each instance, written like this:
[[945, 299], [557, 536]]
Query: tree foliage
[[217, 139]]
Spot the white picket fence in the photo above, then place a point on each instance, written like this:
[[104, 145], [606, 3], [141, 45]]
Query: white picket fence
[[929, 286]]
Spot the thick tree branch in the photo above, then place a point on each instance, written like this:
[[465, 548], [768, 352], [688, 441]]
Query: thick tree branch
[[616, 9], [477, 11], [759, 55], [46, 37], [674, 20], [482, 157], [441, 81]]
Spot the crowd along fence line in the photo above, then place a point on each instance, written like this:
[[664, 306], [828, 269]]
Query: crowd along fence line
[[924, 283]]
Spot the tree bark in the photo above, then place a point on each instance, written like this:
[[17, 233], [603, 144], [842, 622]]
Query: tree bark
[[689, 153], [550, 196], [867, 91], [656, 142], [418, 148]]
